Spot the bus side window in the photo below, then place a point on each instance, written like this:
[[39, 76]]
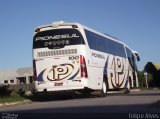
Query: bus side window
[[130, 57], [92, 40]]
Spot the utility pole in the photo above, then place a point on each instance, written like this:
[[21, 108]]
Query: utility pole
[[145, 74]]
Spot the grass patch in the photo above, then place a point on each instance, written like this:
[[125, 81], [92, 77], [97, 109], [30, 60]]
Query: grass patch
[[149, 88], [12, 98], [9, 94]]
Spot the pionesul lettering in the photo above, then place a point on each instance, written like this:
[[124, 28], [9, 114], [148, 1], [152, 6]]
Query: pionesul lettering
[[98, 55], [56, 37]]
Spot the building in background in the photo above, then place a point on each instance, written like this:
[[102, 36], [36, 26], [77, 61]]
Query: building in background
[[16, 76]]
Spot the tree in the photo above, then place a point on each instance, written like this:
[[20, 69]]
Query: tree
[[152, 70], [142, 79]]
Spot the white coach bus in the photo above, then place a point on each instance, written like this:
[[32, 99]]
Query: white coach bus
[[73, 57]]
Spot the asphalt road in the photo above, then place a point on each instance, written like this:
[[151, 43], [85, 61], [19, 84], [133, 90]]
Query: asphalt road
[[137, 102]]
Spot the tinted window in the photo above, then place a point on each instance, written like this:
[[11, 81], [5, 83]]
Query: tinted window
[[103, 44], [130, 57], [116, 49], [92, 39], [58, 38]]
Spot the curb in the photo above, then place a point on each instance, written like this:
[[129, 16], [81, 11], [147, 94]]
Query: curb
[[135, 90], [15, 103]]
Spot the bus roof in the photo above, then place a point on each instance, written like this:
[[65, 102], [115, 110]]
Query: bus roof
[[104, 34], [78, 25]]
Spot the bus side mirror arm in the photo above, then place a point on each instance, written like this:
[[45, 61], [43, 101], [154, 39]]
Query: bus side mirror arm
[[138, 57]]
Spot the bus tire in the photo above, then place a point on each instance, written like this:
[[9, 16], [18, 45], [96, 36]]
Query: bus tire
[[103, 91], [128, 89]]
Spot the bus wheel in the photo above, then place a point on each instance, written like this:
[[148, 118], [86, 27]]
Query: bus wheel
[[128, 89], [103, 91]]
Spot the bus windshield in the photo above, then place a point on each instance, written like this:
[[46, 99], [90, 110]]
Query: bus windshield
[[57, 38]]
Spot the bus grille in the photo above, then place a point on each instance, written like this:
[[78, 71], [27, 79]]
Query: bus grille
[[57, 52]]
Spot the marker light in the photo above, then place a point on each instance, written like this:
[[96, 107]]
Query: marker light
[[74, 26], [37, 30]]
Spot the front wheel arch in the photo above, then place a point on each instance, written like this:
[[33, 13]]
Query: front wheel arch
[[129, 86], [103, 91]]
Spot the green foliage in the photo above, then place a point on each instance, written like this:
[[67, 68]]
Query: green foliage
[[8, 94], [5, 90], [142, 79], [150, 68], [12, 98]]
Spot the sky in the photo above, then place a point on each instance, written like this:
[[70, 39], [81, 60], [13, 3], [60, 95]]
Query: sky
[[134, 22]]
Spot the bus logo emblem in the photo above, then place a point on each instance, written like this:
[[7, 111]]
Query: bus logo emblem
[[59, 72]]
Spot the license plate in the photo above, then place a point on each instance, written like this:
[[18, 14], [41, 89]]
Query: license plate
[[58, 84]]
